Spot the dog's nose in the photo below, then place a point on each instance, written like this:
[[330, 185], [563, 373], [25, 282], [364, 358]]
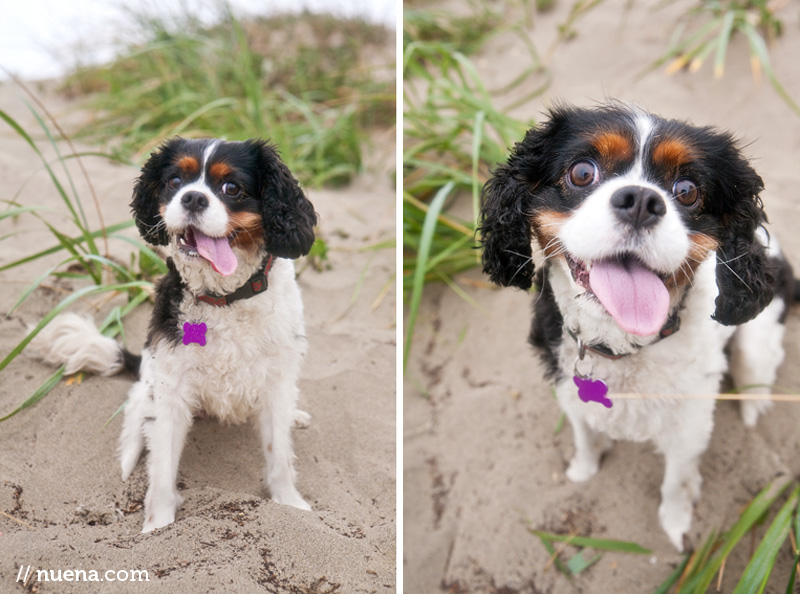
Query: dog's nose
[[194, 201], [637, 206]]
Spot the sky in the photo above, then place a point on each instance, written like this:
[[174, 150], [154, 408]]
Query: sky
[[40, 39]]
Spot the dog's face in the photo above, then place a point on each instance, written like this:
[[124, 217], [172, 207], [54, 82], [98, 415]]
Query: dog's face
[[627, 205], [219, 203]]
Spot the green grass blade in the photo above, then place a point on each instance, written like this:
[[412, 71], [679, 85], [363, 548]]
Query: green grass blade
[[85, 292], [752, 514], [722, 43], [58, 248], [428, 231], [760, 51], [15, 212], [755, 576], [601, 544], [40, 393], [673, 577], [477, 142]]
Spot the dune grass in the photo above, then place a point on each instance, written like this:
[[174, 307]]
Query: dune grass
[[85, 251], [704, 567], [705, 32], [454, 134], [319, 87], [309, 83]]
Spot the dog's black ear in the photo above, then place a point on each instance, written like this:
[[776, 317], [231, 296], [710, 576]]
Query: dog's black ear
[[287, 214], [745, 278], [146, 193], [508, 200]]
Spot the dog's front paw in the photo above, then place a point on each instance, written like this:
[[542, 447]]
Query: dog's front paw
[[158, 515], [581, 470], [752, 409], [158, 519], [290, 496], [302, 420], [676, 518]]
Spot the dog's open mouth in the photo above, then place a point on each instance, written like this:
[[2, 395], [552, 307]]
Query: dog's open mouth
[[216, 250], [635, 296]]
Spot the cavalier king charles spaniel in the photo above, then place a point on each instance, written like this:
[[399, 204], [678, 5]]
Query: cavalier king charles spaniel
[[227, 334], [645, 239]]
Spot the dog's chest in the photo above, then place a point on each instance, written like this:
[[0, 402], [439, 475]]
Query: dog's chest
[[666, 368], [229, 357]]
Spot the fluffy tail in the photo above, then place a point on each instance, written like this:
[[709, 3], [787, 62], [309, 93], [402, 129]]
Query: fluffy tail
[[74, 341]]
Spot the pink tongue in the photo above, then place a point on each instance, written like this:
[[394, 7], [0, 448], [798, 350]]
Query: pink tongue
[[218, 251], [634, 296]]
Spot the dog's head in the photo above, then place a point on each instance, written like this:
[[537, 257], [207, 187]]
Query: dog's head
[[221, 204], [628, 205]]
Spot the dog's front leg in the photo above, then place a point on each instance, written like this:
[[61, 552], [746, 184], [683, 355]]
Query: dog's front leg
[[276, 418], [680, 490], [166, 434]]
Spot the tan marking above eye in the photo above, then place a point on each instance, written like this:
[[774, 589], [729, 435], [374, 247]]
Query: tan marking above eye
[[220, 170], [613, 146], [188, 164], [672, 153]]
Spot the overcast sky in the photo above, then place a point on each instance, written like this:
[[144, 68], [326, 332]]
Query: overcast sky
[[40, 38]]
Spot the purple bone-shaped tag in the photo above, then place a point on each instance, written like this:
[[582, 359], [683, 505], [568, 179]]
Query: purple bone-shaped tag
[[194, 333], [590, 390]]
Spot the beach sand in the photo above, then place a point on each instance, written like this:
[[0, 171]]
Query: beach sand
[[484, 457], [63, 504]]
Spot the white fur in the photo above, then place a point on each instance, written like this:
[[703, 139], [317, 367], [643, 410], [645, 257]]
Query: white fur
[[690, 362], [75, 342], [248, 369]]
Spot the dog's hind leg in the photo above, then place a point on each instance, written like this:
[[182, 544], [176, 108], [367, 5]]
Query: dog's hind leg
[[756, 353], [131, 440]]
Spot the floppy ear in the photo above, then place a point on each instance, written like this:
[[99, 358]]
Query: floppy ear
[[507, 205], [287, 214], [745, 278], [146, 192]]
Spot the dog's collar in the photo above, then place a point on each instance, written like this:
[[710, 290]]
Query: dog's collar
[[672, 325], [258, 283]]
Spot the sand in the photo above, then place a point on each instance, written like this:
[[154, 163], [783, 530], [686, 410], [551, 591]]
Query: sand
[[64, 506], [483, 455]]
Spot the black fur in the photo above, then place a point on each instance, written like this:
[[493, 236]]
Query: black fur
[[130, 362], [287, 214], [533, 178], [165, 321], [268, 188], [547, 328], [147, 192], [508, 201]]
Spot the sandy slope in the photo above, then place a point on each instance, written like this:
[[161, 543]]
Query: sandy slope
[[482, 456], [59, 478]]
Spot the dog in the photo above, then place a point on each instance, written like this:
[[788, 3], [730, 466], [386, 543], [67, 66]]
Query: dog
[[227, 334], [646, 240]]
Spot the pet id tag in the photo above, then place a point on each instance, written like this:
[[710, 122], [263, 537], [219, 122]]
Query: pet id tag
[[194, 333], [590, 389]]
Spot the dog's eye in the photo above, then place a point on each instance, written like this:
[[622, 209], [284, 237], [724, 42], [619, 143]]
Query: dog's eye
[[582, 174], [686, 192], [175, 183], [231, 189]]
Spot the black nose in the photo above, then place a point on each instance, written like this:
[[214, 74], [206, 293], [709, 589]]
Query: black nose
[[194, 201], [637, 206]]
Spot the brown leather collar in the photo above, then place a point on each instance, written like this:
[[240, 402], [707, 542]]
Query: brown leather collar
[[672, 325], [258, 283]]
